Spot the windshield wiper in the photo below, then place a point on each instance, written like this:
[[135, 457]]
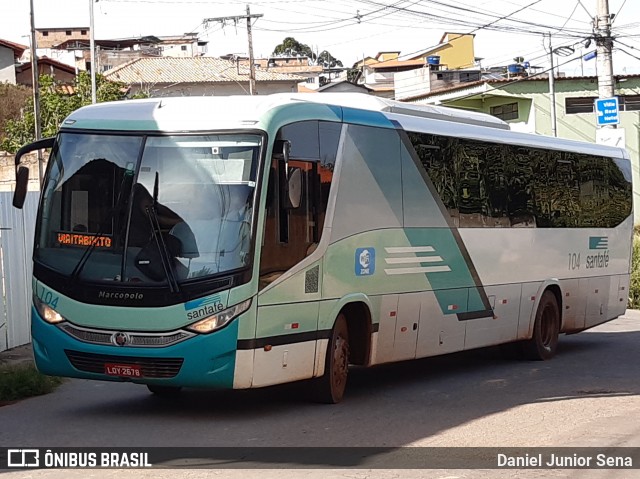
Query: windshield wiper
[[156, 231], [128, 173]]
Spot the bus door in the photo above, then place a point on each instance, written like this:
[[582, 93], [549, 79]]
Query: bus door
[[288, 301]]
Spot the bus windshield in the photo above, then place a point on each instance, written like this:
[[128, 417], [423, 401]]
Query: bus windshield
[[145, 209]]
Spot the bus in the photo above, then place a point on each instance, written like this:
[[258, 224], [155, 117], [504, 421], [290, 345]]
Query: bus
[[247, 241]]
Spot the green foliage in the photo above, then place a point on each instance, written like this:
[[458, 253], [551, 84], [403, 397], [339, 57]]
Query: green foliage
[[291, 46], [352, 74], [328, 60], [634, 287], [55, 106], [22, 381]]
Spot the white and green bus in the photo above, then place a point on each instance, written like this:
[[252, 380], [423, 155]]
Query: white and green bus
[[241, 242]]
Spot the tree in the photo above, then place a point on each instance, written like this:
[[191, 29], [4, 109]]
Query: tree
[[291, 46], [328, 60], [56, 105]]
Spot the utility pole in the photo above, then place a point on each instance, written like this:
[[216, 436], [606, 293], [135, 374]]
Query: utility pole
[[36, 92], [236, 18], [552, 92], [92, 47], [252, 67], [604, 43]]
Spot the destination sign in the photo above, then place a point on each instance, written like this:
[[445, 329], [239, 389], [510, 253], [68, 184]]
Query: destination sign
[[83, 239]]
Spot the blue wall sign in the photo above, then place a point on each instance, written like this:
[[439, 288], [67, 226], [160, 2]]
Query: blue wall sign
[[607, 111]]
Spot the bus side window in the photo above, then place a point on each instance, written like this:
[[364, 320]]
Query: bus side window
[[293, 233]]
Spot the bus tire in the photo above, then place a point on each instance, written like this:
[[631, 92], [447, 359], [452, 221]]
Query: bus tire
[[164, 391], [331, 386], [544, 342]]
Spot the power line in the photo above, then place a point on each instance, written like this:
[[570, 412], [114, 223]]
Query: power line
[[507, 16], [616, 15], [569, 17]]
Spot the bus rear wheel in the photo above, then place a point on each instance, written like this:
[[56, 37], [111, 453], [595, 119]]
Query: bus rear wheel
[[544, 342], [331, 386]]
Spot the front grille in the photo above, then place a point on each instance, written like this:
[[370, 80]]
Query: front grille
[[151, 367], [149, 340]]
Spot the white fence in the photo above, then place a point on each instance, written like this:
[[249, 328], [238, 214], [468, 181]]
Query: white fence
[[16, 246]]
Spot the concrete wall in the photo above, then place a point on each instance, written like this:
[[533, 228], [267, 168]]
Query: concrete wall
[[7, 171], [7, 65]]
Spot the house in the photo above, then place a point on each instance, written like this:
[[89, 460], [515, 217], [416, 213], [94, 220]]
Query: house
[[336, 85], [379, 77], [50, 37], [61, 72], [454, 51], [187, 45], [192, 76], [74, 49], [420, 81], [10, 52], [525, 104]]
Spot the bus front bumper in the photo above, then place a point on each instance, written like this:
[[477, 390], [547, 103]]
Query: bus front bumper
[[206, 360]]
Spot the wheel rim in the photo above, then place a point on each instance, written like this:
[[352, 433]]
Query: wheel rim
[[547, 328], [340, 363]]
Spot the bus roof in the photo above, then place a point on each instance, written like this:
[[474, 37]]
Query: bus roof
[[210, 112]]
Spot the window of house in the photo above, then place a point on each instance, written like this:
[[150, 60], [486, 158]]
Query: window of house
[[629, 102], [467, 77], [83, 32], [45, 34], [183, 48], [449, 76], [579, 105], [505, 112], [68, 33]]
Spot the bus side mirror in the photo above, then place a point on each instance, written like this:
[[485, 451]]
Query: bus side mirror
[[22, 172], [20, 193], [294, 188], [282, 148]]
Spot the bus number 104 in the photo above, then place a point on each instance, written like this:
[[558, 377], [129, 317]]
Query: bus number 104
[[574, 260]]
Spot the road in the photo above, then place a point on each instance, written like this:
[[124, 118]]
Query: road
[[589, 395]]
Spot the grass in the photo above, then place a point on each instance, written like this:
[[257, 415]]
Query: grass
[[22, 381], [634, 287]]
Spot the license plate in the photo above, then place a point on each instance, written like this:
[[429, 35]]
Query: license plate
[[123, 370]]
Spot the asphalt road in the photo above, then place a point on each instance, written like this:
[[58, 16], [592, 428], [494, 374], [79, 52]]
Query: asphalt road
[[589, 395]]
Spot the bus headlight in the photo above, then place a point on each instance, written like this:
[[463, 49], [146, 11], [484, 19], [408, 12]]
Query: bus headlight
[[47, 313], [218, 320]]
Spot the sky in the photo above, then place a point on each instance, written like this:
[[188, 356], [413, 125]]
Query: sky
[[352, 29]]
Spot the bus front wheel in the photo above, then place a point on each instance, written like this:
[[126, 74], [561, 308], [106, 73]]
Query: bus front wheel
[[330, 387], [544, 342]]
